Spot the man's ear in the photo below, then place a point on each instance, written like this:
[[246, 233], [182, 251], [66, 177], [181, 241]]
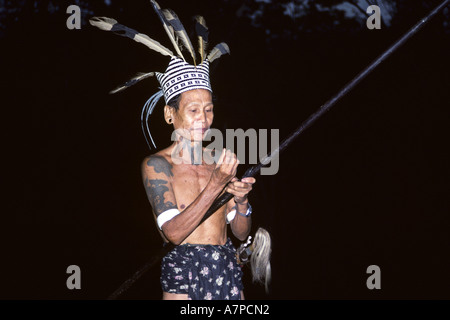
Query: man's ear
[[168, 114]]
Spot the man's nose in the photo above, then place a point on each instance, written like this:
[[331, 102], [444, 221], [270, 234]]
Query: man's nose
[[202, 116]]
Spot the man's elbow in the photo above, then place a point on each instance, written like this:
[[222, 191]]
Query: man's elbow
[[171, 234], [242, 235], [174, 239], [241, 230]]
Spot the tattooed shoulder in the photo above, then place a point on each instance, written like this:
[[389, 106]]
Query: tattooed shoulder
[[160, 164]]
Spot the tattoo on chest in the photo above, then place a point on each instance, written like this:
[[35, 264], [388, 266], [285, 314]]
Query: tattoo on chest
[[160, 164], [155, 189]]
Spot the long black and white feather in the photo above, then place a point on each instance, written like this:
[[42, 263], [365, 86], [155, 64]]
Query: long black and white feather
[[168, 27], [202, 33], [109, 24], [218, 51], [180, 31], [132, 81]]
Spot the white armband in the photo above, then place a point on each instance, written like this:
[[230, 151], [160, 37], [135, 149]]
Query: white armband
[[166, 216], [231, 215]]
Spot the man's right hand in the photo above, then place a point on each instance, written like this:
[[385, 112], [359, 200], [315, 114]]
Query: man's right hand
[[225, 169]]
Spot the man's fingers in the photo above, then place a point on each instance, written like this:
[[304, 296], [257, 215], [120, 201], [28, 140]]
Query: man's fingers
[[239, 184], [235, 165], [244, 183], [227, 157], [250, 180], [230, 158], [240, 187], [222, 157], [230, 162], [226, 167], [235, 192]]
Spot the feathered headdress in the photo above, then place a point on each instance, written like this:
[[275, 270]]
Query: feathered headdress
[[180, 76]]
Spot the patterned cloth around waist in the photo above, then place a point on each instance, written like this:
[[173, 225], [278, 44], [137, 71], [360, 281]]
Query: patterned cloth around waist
[[203, 272]]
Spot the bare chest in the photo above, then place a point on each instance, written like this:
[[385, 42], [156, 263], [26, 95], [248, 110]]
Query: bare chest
[[188, 182]]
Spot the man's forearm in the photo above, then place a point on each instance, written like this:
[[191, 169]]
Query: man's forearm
[[182, 225], [241, 225]]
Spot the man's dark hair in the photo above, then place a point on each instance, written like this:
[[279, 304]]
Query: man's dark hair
[[175, 102]]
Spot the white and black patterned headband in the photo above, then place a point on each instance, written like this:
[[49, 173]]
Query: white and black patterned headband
[[180, 76]]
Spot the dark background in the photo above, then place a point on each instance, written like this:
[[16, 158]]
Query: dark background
[[367, 184]]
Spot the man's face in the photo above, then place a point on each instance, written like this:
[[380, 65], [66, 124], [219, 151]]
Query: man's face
[[195, 114]]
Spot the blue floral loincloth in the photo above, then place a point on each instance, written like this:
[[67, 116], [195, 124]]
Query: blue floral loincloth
[[203, 272]]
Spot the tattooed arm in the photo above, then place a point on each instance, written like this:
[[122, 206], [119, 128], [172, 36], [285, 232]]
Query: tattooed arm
[[157, 177]]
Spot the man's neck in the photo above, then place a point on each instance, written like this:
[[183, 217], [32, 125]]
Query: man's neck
[[191, 153]]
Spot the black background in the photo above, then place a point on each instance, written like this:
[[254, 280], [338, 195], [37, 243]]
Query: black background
[[366, 185]]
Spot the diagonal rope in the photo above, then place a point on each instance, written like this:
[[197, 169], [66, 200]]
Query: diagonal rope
[[252, 171]]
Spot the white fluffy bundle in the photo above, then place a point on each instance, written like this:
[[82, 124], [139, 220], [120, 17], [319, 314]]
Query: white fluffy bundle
[[260, 258]]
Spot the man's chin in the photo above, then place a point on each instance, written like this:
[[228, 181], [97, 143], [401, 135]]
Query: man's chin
[[198, 138], [199, 135]]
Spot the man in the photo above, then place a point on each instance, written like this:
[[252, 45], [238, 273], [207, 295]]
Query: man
[[203, 264], [191, 189]]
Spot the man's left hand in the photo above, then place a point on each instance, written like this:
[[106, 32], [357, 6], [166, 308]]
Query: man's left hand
[[240, 189]]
